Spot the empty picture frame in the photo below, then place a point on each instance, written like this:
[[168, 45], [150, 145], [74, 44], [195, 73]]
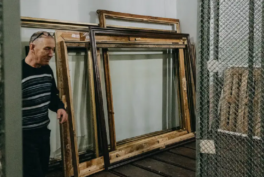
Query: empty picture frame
[[182, 93], [106, 14], [125, 151], [68, 133], [138, 33]]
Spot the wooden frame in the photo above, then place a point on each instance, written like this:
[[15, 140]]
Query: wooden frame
[[68, 134], [104, 14], [124, 151], [136, 33], [234, 103], [182, 92], [30, 22]]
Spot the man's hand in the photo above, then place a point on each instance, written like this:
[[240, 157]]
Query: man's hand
[[62, 114]]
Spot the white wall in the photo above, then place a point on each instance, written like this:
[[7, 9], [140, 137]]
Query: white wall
[[186, 11], [147, 107], [85, 10]]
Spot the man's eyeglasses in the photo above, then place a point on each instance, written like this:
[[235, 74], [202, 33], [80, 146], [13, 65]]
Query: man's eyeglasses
[[40, 34]]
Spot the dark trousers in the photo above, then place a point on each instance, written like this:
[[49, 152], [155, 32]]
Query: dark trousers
[[36, 152]]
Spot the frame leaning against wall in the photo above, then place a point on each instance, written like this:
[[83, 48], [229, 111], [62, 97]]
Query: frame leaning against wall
[[71, 39], [159, 38], [184, 111], [106, 14]]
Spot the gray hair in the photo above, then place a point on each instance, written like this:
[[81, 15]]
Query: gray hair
[[40, 34]]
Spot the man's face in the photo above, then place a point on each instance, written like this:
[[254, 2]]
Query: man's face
[[43, 49]]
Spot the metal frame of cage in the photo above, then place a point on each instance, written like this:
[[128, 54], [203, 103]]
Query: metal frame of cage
[[204, 134]]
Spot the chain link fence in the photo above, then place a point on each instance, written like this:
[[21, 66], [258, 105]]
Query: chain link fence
[[230, 95]]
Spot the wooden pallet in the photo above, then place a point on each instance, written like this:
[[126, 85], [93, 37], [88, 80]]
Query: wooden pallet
[[234, 102]]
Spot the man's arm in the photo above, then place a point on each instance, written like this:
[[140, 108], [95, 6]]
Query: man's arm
[[55, 102]]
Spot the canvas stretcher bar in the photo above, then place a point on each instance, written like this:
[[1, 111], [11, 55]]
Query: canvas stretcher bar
[[129, 46], [92, 97], [183, 95]]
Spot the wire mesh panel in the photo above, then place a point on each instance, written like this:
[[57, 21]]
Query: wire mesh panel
[[230, 128]]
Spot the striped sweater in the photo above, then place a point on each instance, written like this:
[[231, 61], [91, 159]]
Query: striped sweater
[[39, 93]]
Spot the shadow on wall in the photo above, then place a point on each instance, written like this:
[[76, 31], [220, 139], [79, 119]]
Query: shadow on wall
[[93, 17]]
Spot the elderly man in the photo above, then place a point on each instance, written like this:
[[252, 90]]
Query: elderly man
[[39, 94]]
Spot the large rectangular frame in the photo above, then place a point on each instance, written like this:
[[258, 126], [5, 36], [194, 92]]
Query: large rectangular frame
[[136, 33], [106, 14], [127, 150], [182, 93]]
